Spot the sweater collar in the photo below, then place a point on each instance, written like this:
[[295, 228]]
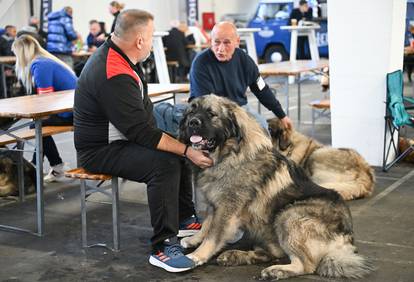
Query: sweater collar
[[112, 45]]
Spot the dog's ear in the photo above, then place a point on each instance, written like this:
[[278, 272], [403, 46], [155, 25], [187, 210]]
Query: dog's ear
[[284, 139], [235, 128], [182, 132]]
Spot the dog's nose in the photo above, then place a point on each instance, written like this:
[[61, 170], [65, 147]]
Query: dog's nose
[[194, 122]]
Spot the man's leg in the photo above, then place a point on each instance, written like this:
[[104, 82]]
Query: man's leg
[[161, 172]]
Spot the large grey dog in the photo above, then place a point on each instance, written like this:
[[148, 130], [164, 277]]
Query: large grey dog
[[253, 187]]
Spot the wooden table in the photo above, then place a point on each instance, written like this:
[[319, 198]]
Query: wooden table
[[5, 61], [294, 68], [37, 107]]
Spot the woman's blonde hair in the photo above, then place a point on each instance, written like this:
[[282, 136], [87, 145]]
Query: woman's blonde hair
[[27, 49], [117, 5]]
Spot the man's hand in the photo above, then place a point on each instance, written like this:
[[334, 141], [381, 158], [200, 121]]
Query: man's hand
[[199, 158], [287, 123]]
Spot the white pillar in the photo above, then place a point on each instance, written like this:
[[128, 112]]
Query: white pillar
[[366, 41]]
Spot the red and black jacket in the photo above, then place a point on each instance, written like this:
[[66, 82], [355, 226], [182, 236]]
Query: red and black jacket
[[112, 103]]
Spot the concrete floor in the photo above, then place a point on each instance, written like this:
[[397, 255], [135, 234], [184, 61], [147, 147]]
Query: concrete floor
[[383, 225]]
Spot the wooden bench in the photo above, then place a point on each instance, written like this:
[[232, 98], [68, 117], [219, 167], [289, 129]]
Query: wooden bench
[[30, 133], [83, 175], [320, 108]]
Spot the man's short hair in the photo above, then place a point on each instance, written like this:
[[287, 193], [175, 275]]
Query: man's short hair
[[9, 26], [129, 20], [93, 22], [302, 2]]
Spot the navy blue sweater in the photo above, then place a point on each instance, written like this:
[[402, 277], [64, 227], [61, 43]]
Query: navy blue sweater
[[231, 79]]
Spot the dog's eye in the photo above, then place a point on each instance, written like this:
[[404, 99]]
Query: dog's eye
[[211, 114]]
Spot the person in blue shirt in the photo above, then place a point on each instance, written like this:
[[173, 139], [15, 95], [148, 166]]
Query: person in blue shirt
[[96, 36], [41, 73], [227, 71]]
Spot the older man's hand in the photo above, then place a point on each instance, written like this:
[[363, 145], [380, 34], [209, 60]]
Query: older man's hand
[[287, 123]]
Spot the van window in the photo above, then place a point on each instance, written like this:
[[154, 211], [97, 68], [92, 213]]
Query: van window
[[270, 11]]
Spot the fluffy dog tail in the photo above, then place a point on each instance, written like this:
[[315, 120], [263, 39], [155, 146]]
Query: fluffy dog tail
[[360, 188], [344, 262]]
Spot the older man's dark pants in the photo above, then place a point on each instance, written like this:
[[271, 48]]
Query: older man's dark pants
[[168, 183]]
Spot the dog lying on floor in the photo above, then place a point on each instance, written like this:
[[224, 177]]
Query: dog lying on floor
[[343, 170], [9, 178], [8, 168], [252, 187]]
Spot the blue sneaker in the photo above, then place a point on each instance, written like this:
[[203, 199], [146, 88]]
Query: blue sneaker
[[172, 259], [189, 227]]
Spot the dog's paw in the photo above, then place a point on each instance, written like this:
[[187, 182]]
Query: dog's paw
[[274, 272], [232, 258], [197, 261], [188, 242]]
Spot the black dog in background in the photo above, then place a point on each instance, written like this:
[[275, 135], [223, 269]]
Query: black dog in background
[[8, 168]]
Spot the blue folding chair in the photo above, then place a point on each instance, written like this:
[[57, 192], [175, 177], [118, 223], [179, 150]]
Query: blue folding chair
[[396, 118]]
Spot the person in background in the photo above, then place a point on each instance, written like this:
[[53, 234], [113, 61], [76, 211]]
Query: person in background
[[41, 72], [300, 14], [6, 40], [33, 29], [117, 135], [103, 28], [115, 8], [226, 70], [61, 34], [176, 44], [96, 36]]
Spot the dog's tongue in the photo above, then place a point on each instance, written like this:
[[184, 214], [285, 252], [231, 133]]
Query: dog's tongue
[[196, 139]]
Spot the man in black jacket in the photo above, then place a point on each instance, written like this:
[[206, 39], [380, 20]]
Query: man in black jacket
[[303, 13], [115, 133]]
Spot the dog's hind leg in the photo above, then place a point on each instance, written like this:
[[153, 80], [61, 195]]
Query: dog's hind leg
[[237, 257], [283, 271]]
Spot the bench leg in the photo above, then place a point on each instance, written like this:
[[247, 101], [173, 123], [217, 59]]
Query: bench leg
[[83, 213], [115, 213]]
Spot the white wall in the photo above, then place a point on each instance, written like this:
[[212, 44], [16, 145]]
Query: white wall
[[220, 7], [363, 49], [85, 10], [15, 13]]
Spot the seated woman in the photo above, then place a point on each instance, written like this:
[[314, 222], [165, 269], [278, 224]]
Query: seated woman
[[41, 72]]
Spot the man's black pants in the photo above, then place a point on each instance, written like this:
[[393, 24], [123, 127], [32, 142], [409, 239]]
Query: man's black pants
[[166, 175]]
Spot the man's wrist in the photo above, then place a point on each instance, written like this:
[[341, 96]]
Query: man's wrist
[[186, 150]]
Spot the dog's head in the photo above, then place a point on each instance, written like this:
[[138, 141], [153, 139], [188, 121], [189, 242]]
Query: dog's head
[[209, 123], [280, 135]]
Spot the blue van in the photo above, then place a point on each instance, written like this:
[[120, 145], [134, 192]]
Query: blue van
[[269, 17]]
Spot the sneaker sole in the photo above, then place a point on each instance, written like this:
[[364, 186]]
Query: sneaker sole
[[186, 233], [168, 268]]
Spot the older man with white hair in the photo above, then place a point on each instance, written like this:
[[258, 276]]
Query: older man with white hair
[[227, 71]]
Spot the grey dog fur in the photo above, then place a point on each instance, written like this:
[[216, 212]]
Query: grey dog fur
[[252, 187]]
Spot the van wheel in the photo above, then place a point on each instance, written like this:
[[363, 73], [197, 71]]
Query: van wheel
[[275, 53]]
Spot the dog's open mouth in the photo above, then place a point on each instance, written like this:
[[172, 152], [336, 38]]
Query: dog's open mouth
[[200, 143]]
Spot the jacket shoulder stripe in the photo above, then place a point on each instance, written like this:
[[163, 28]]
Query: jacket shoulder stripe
[[116, 65]]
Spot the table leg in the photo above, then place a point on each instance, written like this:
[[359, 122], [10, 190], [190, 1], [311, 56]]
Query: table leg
[[299, 106], [287, 94], [3, 80], [39, 177]]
